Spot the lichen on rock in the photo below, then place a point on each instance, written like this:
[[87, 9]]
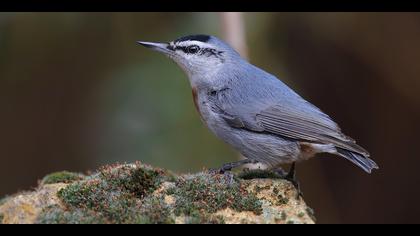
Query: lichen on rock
[[138, 193]]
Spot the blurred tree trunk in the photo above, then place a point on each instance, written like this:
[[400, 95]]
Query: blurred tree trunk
[[233, 29]]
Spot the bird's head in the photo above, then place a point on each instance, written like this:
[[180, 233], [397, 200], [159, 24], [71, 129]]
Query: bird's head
[[197, 55]]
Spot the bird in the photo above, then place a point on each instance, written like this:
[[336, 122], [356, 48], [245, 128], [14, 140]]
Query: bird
[[254, 111]]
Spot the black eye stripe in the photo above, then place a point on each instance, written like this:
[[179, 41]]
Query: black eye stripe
[[188, 49], [202, 51], [183, 48], [209, 51]]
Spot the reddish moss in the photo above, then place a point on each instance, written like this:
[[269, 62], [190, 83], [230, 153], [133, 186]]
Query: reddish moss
[[210, 193]]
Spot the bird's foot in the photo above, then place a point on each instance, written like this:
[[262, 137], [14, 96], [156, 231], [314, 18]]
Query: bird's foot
[[215, 171], [229, 166], [226, 174], [222, 170], [291, 177]]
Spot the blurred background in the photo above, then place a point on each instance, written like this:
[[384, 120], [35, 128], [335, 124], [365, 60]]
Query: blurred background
[[76, 92]]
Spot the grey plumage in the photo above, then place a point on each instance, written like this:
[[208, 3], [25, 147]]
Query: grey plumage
[[255, 112]]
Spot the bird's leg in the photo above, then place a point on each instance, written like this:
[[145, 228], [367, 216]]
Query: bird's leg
[[232, 165], [291, 176]]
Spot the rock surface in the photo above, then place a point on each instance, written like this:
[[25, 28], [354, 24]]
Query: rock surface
[[137, 193]]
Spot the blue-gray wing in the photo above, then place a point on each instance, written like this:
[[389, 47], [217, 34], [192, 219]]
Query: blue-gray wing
[[280, 111], [308, 126]]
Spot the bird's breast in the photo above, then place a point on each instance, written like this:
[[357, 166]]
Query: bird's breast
[[204, 107], [196, 101]]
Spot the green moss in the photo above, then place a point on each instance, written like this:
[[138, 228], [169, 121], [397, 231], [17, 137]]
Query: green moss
[[1, 218], [259, 174], [301, 214], [61, 177], [122, 194], [207, 193], [56, 215], [80, 194], [115, 194], [154, 211], [290, 222], [139, 181], [201, 217]]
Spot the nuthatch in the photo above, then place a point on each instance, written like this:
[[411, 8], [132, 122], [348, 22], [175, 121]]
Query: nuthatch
[[253, 111]]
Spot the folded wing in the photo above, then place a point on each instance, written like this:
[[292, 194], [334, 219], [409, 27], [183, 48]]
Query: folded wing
[[311, 125]]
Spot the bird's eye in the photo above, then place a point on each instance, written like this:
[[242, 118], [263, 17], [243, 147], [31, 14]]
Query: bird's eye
[[193, 49]]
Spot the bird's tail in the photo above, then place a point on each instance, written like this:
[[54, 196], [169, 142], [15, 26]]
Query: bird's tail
[[361, 161]]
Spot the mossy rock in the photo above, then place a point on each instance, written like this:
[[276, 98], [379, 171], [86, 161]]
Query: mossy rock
[[138, 193], [61, 177]]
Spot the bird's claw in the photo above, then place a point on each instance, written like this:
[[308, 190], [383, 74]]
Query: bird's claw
[[291, 177]]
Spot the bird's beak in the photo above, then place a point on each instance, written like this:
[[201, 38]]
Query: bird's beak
[[160, 47]]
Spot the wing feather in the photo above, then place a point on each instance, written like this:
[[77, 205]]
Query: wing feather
[[309, 126]]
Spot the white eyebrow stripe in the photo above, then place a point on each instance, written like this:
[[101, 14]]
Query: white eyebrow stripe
[[192, 42]]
